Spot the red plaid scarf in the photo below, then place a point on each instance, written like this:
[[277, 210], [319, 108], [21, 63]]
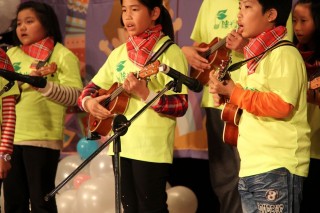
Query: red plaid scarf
[[40, 50], [260, 44], [5, 62], [312, 67], [140, 47]]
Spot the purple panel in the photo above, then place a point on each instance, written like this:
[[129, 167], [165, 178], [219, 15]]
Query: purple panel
[[99, 12]]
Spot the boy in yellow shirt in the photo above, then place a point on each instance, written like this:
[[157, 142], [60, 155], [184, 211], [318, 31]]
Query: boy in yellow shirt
[[273, 140]]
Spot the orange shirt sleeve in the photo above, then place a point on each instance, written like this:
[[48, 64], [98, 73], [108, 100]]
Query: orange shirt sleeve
[[265, 104]]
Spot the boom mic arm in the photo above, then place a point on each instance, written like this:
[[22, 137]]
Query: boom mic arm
[[192, 83], [36, 81]]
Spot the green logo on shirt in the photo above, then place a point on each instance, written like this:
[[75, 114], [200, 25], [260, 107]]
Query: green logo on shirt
[[120, 66], [222, 22], [121, 74], [16, 66], [222, 14]]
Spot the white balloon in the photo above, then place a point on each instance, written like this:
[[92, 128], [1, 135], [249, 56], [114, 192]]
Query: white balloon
[[67, 201], [181, 199], [96, 195], [101, 165], [66, 166]]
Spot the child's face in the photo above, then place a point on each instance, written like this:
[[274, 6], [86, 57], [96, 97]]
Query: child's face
[[303, 24], [136, 17], [251, 21], [29, 28]]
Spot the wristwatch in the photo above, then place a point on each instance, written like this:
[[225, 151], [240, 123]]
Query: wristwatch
[[5, 157]]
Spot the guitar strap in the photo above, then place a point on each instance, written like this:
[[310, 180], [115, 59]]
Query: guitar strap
[[163, 48], [236, 66], [42, 63]]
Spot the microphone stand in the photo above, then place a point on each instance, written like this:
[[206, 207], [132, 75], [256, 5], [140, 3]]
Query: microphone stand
[[7, 87], [120, 127]]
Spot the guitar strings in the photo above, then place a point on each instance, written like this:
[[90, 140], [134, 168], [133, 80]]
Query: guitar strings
[[218, 44], [114, 94], [215, 47]]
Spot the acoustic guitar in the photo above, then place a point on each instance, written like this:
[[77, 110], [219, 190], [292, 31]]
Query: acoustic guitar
[[217, 53], [230, 113], [117, 102]]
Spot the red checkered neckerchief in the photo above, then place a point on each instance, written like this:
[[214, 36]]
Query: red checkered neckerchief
[[140, 47], [260, 44], [40, 50], [5, 62], [311, 66]]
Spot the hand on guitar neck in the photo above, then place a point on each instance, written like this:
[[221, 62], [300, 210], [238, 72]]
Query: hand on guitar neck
[[204, 58], [234, 41], [107, 103], [45, 70], [220, 84], [221, 87], [208, 57]]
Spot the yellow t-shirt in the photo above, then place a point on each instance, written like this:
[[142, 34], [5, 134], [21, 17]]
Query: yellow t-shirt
[[215, 20], [39, 118], [266, 143], [151, 135]]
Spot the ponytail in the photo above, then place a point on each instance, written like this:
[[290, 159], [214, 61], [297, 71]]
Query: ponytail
[[166, 22]]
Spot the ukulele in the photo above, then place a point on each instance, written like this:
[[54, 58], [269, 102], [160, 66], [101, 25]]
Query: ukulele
[[230, 113], [117, 102], [216, 53]]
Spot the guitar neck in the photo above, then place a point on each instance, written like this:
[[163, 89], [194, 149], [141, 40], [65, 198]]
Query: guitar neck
[[117, 91], [217, 45], [114, 94], [120, 89]]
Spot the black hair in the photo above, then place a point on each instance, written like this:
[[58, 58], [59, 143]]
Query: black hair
[[46, 16], [164, 17], [315, 8], [283, 8]]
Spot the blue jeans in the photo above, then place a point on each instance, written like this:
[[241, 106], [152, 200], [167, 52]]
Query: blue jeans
[[276, 191]]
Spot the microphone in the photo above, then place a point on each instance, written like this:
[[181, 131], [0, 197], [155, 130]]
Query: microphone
[[36, 81], [192, 83]]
